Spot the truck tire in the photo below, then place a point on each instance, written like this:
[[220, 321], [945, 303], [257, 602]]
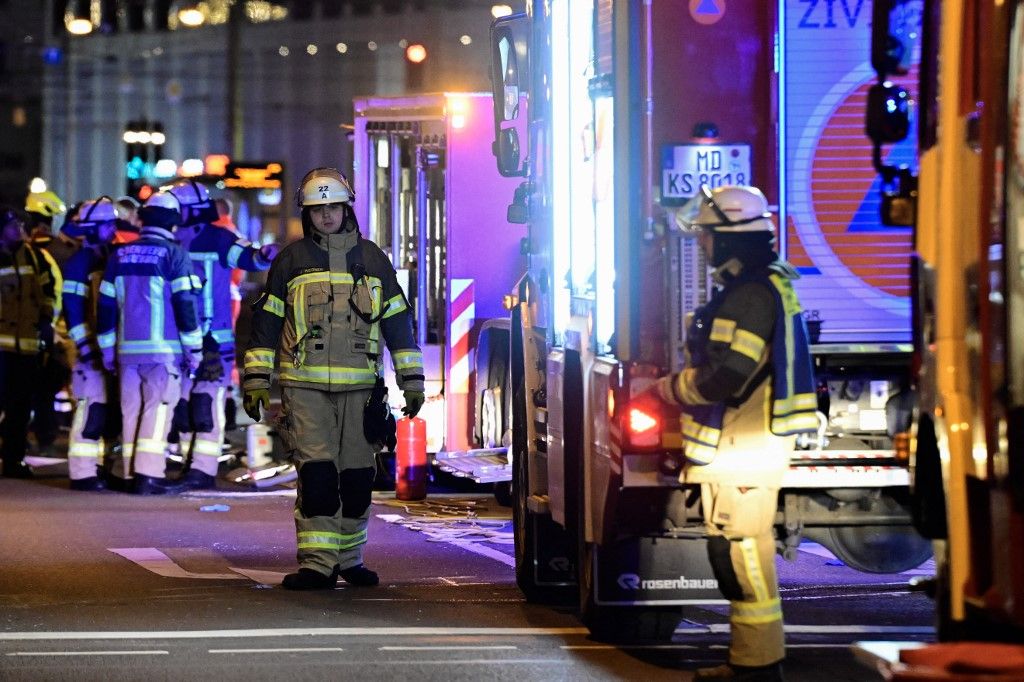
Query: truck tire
[[878, 549]]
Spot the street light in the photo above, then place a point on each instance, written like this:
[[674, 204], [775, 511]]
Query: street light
[[78, 18]]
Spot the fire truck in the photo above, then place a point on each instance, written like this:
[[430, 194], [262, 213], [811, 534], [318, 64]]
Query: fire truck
[[432, 199], [965, 202], [631, 105]]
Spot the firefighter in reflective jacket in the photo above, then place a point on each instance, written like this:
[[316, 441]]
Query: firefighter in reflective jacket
[[331, 299], [745, 390], [148, 321], [215, 252], [93, 387], [30, 285]]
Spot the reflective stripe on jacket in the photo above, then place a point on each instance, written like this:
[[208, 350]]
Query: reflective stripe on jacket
[[215, 252], [304, 319], [147, 303], [83, 272], [752, 328], [30, 287]]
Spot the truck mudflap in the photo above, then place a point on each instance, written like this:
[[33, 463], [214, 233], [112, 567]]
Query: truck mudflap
[[646, 571]]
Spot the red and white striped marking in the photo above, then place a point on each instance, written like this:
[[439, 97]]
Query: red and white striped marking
[[462, 312]]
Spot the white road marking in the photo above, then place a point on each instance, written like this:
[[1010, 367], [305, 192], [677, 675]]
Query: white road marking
[[152, 559], [482, 550], [446, 648], [290, 650], [88, 653], [297, 632]]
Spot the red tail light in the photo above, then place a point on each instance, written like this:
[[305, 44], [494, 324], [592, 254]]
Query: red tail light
[[644, 427]]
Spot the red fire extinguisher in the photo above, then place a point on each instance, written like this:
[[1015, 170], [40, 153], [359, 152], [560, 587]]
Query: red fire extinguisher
[[411, 459]]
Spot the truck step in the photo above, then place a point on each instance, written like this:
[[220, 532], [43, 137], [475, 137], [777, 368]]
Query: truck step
[[487, 465]]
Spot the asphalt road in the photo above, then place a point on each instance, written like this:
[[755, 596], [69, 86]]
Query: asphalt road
[[107, 586]]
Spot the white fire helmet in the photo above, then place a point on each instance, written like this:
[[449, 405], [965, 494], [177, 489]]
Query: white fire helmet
[[324, 186], [163, 199], [196, 205], [729, 209]]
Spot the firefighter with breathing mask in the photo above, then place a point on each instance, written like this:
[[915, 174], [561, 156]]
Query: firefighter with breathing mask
[[331, 300], [746, 389]]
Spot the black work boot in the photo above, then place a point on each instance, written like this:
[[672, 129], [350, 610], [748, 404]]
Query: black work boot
[[359, 576], [150, 485], [309, 579], [15, 468], [197, 480], [731, 671], [90, 484]]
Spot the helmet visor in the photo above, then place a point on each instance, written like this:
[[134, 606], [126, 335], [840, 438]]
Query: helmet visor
[[687, 218]]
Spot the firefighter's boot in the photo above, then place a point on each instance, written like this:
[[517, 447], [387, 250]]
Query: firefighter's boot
[[360, 576], [309, 579]]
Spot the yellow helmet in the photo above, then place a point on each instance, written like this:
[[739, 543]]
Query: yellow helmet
[[44, 203], [324, 186]]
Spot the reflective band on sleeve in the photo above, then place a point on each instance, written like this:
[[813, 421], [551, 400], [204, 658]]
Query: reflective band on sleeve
[[723, 330], [74, 288], [274, 305], [259, 358], [107, 289], [197, 283], [407, 359], [234, 253], [192, 339], [395, 305], [748, 344], [686, 388], [181, 284]]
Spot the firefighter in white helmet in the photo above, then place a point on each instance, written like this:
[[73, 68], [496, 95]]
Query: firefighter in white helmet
[[746, 389], [331, 301]]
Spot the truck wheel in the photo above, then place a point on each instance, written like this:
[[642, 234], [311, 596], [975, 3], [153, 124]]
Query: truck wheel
[[878, 549], [620, 624]]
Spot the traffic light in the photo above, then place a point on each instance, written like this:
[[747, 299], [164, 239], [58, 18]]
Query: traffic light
[[415, 58], [143, 144]]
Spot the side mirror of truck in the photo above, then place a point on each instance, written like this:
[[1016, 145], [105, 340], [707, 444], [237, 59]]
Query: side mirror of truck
[[889, 49], [888, 115], [506, 150], [509, 77]]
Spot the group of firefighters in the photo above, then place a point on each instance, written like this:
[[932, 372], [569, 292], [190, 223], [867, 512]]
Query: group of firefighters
[[149, 313], [131, 307]]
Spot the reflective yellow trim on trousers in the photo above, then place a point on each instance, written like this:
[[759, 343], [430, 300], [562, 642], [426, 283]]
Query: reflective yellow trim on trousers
[[756, 613], [752, 566], [206, 447], [86, 448], [313, 539]]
